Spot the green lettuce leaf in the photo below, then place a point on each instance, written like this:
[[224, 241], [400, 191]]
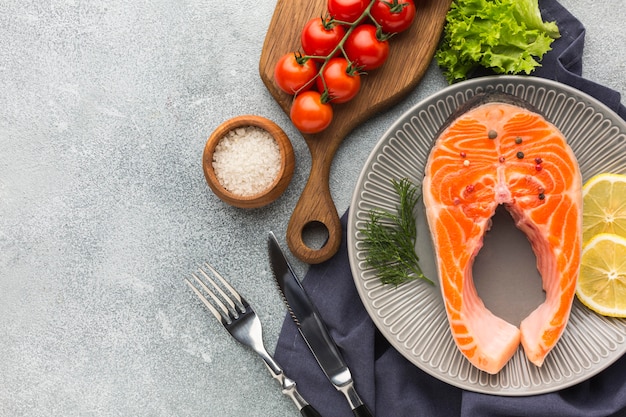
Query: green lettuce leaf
[[507, 36]]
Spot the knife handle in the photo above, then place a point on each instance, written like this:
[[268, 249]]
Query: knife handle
[[362, 411], [309, 411], [359, 409]]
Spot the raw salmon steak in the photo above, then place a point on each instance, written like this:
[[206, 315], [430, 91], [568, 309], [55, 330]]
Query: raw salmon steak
[[497, 150]]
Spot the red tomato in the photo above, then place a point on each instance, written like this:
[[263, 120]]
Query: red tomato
[[320, 37], [293, 73], [394, 16], [342, 81], [347, 10], [309, 113], [364, 48]]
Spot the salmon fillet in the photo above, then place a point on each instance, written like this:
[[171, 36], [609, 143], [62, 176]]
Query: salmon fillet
[[496, 151]]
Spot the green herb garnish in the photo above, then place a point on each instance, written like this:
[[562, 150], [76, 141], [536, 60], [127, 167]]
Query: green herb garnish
[[390, 238]]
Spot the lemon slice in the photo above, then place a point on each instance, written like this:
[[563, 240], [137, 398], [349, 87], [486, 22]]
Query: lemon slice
[[604, 205], [601, 284]]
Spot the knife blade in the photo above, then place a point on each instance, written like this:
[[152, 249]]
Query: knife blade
[[312, 328]]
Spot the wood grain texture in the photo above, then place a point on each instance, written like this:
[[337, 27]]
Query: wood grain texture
[[410, 55]]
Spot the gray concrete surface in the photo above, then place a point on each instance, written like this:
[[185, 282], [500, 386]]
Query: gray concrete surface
[[105, 107]]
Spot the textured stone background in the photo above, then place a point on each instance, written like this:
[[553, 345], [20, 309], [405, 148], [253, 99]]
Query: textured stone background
[[105, 107]]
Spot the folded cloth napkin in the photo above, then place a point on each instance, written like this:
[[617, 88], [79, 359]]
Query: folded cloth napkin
[[388, 383]]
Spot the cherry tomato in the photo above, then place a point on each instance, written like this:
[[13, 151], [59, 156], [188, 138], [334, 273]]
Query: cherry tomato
[[364, 48], [347, 10], [293, 73], [319, 37], [394, 16], [342, 81], [310, 113]]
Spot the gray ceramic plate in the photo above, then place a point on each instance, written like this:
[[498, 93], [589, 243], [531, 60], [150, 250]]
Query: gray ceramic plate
[[412, 316]]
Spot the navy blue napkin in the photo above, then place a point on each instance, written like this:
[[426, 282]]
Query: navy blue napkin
[[388, 383]]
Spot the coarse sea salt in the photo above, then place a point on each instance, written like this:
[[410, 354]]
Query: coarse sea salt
[[246, 160]]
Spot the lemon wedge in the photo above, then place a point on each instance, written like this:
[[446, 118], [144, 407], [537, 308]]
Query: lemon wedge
[[601, 284], [604, 205]]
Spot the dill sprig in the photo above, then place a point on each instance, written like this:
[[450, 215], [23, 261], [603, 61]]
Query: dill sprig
[[390, 238]]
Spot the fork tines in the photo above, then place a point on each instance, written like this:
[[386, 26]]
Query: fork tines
[[225, 307]]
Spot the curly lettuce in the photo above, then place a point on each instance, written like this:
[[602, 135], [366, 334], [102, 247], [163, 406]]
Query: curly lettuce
[[506, 36]]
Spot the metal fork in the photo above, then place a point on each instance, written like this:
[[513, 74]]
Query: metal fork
[[238, 317]]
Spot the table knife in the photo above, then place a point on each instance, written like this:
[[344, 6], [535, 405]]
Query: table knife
[[313, 329]]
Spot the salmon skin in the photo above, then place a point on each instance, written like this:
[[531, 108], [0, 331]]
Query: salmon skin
[[497, 150]]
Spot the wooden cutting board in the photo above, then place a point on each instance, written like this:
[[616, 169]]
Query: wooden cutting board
[[411, 53]]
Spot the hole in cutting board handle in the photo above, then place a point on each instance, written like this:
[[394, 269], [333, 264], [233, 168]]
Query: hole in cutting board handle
[[315, 235], [314, 240]]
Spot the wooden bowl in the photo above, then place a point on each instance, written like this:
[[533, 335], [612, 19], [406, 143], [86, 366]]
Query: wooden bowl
[[280, 183]]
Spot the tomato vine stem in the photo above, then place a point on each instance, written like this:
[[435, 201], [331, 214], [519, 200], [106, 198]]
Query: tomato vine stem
[[340, 47]]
